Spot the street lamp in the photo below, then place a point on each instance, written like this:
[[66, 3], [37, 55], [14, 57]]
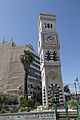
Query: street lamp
[[75, 88]]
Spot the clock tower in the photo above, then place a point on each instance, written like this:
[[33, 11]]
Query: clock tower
[[49, 52]]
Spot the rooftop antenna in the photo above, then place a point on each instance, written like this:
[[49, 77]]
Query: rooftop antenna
[[3, 40], [12, 42]]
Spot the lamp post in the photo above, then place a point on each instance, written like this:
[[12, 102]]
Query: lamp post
[[75, 88], [77, 104]]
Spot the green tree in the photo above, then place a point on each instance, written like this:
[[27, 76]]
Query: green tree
[[26, 60], [72, 103], [30, 104], [53, 100], [22, 102], [3, 99], [3, 103]]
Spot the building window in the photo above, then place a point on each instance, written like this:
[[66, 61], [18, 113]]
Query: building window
[[48, 25], [45, 25], [31, 85], [36, 61], [30, 92], [51, 26]]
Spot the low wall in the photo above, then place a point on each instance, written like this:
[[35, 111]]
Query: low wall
[[42, 115], [47, 115]]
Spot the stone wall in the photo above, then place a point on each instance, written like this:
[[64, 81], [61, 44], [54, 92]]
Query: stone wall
[[29, 116]]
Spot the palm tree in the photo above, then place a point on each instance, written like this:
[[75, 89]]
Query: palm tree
[[26, 60]]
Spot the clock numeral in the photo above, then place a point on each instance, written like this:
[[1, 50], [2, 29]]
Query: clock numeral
[[55, 56], [48, 55], [51, 56]]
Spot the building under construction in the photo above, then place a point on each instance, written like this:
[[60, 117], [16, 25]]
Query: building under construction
[[12, 71]]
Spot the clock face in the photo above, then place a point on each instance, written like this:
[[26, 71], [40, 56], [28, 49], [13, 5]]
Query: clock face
[[50, 38]]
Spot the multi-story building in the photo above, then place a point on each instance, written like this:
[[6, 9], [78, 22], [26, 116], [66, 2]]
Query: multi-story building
[[12, 71]]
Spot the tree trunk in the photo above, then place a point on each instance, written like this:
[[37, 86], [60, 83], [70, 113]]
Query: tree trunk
[[25, 86]]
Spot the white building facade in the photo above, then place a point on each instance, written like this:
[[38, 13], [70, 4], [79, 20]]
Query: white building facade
[[50, 64]]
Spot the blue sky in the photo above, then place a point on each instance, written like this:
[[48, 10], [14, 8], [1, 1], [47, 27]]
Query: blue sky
[[19, 18]]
